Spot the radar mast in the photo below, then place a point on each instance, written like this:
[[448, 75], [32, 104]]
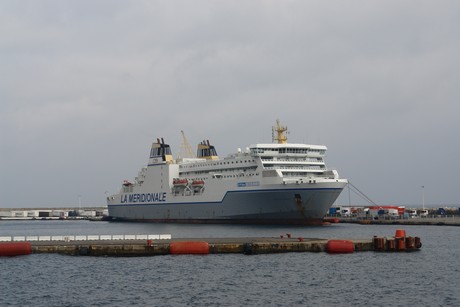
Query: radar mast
[[279, 133]]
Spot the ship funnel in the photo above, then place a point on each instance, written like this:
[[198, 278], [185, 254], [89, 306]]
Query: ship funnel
[[160, 150], [207, 151]]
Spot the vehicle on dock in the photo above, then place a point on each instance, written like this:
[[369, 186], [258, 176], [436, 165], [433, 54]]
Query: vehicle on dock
[[412, 213], [423, 213]]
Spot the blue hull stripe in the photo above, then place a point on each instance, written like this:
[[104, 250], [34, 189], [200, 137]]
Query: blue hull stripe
[[220, 202]]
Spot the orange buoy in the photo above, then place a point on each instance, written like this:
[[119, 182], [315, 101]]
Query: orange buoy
[[326, 223], [340, 246], [189, 247], [10, 249], [400, 233]]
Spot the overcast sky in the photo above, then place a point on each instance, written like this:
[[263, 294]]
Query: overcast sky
[[86, 86]]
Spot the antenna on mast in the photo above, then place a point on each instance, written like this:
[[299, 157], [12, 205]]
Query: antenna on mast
[[280, 135]]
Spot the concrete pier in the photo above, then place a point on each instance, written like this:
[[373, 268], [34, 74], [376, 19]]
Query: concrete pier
[[249, 246], [434, 221]]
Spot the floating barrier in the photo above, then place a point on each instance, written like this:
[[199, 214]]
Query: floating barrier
[[189, 247], [340, 246], [15, 249]]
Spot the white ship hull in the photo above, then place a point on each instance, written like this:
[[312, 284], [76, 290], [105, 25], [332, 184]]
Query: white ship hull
[[296, 204], [268, 183]]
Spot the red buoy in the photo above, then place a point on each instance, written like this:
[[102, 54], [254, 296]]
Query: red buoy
[[10, 249], [340, 246], [191, 247], [400, 233]]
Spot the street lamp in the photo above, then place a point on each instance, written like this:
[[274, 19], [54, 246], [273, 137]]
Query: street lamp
[[423, 197]]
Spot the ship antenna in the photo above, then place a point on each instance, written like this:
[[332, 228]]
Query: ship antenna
[[280, 135]]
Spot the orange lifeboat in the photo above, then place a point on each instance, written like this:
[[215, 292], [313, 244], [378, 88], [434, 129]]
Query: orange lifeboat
[[180, 182], [197, 183]]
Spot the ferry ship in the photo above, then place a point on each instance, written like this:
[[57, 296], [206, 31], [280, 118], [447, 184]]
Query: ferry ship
[[273, 183]]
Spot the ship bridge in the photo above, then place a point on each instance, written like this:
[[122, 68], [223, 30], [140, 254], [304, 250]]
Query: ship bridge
[[293, 160]]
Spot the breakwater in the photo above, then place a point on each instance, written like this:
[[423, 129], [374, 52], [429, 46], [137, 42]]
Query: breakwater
[[249, 246]]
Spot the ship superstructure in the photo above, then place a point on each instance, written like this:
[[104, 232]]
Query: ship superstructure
[[278, 183]]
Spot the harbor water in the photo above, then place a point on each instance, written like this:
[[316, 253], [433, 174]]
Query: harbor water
[[428, 277]]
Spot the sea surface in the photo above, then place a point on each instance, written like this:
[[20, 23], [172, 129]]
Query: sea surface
[[429, 277]]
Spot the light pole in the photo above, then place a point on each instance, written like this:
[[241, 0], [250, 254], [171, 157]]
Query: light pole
[[423, 197]]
